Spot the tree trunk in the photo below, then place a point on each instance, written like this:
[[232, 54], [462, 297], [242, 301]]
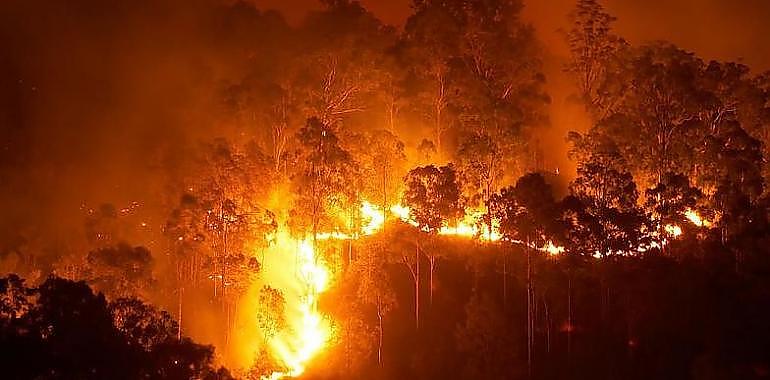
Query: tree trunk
[[224, 262], [530, 314], [547, 325], [379, 321], [432, 260], [179, 328], [417, 287], [569, 319], [179, 291], [439, 108], [384, 196], [505, 279]]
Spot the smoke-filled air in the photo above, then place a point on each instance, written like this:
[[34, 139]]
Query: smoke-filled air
[[415, 189]]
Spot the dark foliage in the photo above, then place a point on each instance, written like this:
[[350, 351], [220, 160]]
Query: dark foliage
[[62, 330]]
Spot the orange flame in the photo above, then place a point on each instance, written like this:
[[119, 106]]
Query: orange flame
[[307, 331]]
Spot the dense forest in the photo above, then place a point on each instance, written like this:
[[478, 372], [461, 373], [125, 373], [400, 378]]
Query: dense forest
[[341, 198]]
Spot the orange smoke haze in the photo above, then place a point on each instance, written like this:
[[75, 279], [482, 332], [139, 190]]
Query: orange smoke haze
[[713, 29]]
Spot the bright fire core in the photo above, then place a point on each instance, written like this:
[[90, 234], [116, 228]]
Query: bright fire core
[[311, 332], [293, 267]]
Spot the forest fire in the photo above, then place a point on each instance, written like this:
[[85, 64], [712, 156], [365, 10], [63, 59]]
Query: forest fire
[[404, 189]]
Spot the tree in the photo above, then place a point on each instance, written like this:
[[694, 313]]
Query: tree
[[592, 47], [481, 168], [142, 325], [382, 161], [120, 271], [374, 287], [670, 200], [186, 231], [660, 110], [528, 214], [221, 208], [583, 230], [498, 80], [343, 48], [324, 177], [475, 65], [604, 180], [433, 197], [609, 194], [271, 313], [429, 42], [732, 177], [481, 338]]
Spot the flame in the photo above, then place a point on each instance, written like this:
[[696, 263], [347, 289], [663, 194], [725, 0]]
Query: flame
[[311, 331], [676, 231], [374, 215], [472, 226], [552, 249], [403, 213], [673, 230], [307, 330], [314, 275], [696, 219]]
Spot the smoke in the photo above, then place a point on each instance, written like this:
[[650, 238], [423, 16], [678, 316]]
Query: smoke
[[713, 29], [92, 92], [95, 95]]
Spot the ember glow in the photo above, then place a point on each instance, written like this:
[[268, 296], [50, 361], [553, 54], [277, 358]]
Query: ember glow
[[696, 219], [673, 230]]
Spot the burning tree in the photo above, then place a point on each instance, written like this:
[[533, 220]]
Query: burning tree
[[382, 164], [670, 201], [271, 314], [323, 179], [481, 167]]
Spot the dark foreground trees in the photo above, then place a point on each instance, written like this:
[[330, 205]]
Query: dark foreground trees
[[62, 330]]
